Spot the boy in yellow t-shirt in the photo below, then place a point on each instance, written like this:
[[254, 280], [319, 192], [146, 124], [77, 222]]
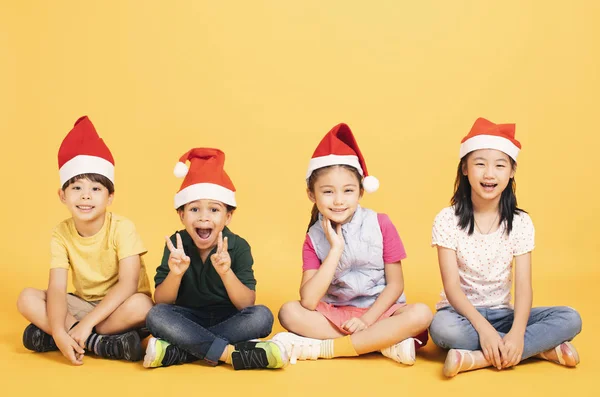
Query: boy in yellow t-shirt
[[103, 252]]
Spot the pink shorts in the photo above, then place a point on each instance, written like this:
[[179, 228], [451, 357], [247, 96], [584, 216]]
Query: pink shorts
[[338, 315]]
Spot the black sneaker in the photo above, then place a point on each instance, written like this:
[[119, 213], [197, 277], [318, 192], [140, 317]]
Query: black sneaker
[[125, 346], [161, 353], [262, 354], [143, 333], [37, 340]]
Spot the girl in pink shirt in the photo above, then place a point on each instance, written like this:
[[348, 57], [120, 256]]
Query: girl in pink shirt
[[352, 291], [477, 239]]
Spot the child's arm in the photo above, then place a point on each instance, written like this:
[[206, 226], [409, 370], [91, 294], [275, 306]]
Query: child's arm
[[492, 345], [56, 307], [315, 283], [515, 339], [240, 295], [178, 262], [394, 286], [129, 274]]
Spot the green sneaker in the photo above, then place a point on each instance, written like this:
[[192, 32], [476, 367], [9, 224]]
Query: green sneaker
[[262, 354], [155, 352]]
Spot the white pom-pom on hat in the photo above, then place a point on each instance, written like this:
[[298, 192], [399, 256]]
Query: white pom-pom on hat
[[370, 184], [180, 170]]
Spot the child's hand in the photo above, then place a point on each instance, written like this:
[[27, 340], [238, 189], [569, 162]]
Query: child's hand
[[353, 325], [335, 238], [178, 260], [514, 343], [492, 346], [69, 348], [80, 333], [221, 259]]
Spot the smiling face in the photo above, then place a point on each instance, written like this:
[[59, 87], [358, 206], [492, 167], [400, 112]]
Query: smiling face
[[336, 192], [86, 200], [489, 172], [204, 220]]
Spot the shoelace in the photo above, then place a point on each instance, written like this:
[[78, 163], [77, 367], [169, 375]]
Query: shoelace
[[303, 350], [109, 348]]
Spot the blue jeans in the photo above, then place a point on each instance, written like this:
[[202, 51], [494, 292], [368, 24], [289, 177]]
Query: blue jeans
[[205, 334], [547, 328]]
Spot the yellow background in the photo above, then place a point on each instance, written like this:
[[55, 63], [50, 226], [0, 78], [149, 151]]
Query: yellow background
[[264, 81]]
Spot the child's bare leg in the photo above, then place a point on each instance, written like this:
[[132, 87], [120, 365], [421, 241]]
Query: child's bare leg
[[32, 305], [328, 342], [407, 321], [131, 314], [563, 354], [459, 360], [310, 323]]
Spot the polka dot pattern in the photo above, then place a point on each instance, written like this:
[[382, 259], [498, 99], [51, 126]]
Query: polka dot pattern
[[484, 260]]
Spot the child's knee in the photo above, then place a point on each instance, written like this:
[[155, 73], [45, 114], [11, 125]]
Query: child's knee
[[157, 317], [572, 320], [28, 298], [422, 315], [261, 320], [289, 314], [447, 333], [138, 306], [263, 315]]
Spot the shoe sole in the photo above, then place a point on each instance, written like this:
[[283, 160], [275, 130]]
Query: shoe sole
[[150, 353], [284, 356]]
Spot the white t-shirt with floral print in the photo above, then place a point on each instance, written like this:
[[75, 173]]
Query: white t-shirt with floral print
[[484, 260]]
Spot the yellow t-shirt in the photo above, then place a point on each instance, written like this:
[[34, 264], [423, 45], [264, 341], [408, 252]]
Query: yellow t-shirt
[[94, 260]]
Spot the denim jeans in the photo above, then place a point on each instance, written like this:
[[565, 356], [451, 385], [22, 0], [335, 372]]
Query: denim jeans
[[205, 334], [547, 328]]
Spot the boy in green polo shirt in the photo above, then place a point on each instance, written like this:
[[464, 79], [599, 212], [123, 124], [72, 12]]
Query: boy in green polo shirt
[[205, 286]]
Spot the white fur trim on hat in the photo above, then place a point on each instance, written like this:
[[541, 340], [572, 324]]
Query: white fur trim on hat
[[333, 159], [209, 191], [84, 164], [489, 142]]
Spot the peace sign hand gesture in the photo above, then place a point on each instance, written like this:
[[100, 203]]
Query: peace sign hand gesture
[[221, 259], [178, 260]]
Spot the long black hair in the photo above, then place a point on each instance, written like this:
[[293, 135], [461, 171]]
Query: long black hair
[[310, 184], [463, 206]]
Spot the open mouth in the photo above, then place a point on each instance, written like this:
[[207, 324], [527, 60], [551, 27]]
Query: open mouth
[[488, 187], [203, 234], [85, 208]]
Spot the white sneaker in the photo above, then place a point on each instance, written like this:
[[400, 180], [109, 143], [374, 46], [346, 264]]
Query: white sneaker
[[402, 352], [299, 347]]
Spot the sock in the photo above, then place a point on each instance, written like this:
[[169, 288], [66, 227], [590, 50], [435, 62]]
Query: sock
[[92, 340], [229, 352], [343, 347], [326, 349]]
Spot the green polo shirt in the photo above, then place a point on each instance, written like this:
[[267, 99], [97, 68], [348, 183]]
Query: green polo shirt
[[201, 286]]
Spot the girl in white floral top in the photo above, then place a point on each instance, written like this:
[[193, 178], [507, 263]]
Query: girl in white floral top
[[477, 239]]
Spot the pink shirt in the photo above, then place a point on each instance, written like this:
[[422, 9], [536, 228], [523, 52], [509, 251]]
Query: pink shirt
[[393, 249]]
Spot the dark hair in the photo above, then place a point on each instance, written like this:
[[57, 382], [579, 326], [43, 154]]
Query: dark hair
[[101, 179], [230, 208], [463, 206], [310, 183]]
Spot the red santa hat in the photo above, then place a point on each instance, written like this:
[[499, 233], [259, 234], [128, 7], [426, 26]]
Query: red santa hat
[[339, 147], [486, 135], [84, 152], [205, 178]]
